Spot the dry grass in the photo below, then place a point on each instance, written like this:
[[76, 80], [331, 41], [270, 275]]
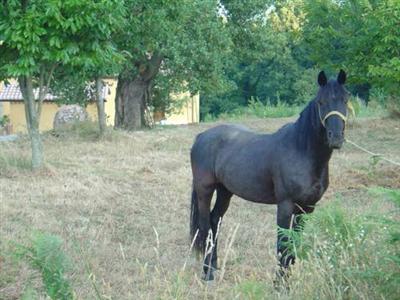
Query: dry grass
[[121, 204]]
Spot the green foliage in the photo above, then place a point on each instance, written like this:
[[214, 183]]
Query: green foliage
[[257, 109], [73, 88], [4, 120], [268, 63], [305, 87], [336, 34], [251, 289], [40, 33], [383, 32], [46, 255], [355, 249]]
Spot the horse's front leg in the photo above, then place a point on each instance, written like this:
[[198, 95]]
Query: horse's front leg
[[300, 212], [285, 219]]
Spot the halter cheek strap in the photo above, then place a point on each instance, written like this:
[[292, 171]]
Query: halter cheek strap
[[331, 113]]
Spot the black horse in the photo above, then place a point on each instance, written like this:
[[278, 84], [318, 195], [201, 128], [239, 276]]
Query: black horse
[[288, 168]]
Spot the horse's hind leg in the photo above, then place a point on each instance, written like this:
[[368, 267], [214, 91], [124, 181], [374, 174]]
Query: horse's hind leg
[[204, 194], [220, 207]]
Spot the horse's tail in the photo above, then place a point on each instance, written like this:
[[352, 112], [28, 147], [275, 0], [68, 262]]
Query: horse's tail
[[194, 223]]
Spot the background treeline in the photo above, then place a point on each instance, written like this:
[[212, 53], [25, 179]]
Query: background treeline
[[279, 50]]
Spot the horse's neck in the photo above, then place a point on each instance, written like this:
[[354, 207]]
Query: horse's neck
[[310, 137]]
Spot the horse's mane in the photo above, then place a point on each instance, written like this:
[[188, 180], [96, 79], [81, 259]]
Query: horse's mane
[[307, 126]]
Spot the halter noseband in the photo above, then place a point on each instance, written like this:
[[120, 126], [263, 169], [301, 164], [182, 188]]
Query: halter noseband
[[331, 113]]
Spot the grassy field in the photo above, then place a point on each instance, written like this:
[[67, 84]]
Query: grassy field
[[121, 207]]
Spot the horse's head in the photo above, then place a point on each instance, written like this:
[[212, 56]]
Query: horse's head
[[332, 108]]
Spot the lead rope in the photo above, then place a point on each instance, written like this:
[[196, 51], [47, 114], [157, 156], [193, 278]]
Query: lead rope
[[372, 153]]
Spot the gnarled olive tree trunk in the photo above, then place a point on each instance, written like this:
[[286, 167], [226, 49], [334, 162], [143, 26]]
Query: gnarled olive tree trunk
[[133, 95]]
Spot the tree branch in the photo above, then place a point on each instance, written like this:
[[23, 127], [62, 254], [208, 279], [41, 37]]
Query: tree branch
[[26, 87], [22, 87], [41, 81], [44, 88], [152, 66]]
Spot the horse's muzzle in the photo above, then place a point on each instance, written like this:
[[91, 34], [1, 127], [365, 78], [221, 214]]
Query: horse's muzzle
[[335, 141], [336, 145]]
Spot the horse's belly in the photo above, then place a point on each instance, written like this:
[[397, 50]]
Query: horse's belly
[[260, 192]]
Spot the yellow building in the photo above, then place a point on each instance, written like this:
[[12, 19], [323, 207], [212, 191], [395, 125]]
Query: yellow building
[[187, 112], [12, 105]]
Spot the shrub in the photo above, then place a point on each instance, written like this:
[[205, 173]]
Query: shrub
[[343, 254], [256, 108]]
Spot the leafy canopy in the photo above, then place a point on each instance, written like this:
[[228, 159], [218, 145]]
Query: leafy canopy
[[37, 34]]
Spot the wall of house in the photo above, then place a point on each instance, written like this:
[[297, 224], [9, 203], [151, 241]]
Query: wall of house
[[17, 116], [109, 106], [16, 111], [186, 112]]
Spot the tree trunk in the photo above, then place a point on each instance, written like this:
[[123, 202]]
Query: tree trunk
[[32, 121], [100, 106], [131, 100], [133, 95], [37, 149]]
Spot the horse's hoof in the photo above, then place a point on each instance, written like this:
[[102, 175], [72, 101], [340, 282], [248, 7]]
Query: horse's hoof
[[281, 281], [208, 277]]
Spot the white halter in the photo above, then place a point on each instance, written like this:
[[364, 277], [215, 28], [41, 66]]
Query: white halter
[[331, 113]]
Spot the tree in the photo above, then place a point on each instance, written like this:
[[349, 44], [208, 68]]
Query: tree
[[362, 37], [383, 32], [178, 45], [268, 63], [39, 36]]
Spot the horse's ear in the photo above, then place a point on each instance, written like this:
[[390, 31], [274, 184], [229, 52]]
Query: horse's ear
[[322, 80], [341, 78]]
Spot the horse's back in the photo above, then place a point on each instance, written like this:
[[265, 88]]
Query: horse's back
[[209, 143]]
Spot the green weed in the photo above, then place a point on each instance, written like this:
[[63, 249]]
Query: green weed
[[352, 253], [8, 161], [46, 255], [251, 289]]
